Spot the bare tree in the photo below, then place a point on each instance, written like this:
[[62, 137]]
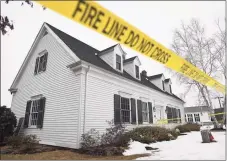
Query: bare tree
[[5, 23], [220, 37], [191, 42]]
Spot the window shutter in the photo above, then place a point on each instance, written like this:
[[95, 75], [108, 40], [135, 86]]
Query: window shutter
[[36, 65], [139, 111], [169, 114], [117, 109], [174, 115], [27, 114], [179, 115], [41, 112], [150, 112], [133, 110], [44, 65]]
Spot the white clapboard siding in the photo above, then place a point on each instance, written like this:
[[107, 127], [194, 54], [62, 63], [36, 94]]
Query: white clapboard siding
[[61, 88], [100, 98], [108, 57], [130, 68]]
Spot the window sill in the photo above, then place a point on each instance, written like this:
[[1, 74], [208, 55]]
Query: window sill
[[39, 73], [32, 127]]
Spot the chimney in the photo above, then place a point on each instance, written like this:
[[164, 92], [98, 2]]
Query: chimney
[[144, 73]]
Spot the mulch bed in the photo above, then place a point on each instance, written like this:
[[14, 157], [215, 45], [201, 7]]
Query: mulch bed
[[20, 150]]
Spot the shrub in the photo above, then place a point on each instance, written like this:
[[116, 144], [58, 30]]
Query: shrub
[[8, 122], [193, 127], [24, 143], [188, 127], [14, 141], [90, 139], [175, 133], [113, 134], [111, 137], [148, 134]]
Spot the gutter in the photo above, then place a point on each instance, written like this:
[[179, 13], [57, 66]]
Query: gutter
[[85, 96]]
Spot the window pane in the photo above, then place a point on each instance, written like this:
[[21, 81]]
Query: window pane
[[118, 66], [125, 110], [34, 112], [118, 62], [144, 112], [118, 58], [137, 71]]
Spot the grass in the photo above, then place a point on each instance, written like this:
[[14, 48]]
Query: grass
[[65, 155]]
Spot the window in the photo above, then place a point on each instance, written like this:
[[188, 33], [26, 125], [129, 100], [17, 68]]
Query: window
[[163, 85], [145, 112], [40, 64], [170, 88], [197, 117], [137, 71], [125, 110], [34, 112], [190, 117], [118, 62]]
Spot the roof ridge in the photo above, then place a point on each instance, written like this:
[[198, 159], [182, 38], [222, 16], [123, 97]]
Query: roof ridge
[[52, 27]]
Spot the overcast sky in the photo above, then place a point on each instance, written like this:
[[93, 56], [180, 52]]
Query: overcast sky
[[157, 19]]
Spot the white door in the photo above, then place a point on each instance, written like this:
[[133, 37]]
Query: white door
[[159, 115]]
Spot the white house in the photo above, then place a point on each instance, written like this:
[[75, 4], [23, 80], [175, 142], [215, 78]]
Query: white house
[[197, 114], [66, 87]]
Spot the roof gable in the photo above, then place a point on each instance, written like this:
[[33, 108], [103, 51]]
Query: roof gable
[[155, 76], [132, 59], [42, 32]]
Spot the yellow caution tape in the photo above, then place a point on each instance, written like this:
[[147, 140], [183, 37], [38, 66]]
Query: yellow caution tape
[[165, 121], [96, 17], [217, 114]]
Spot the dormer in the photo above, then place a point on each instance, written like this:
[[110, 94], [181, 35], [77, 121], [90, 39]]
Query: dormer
[[114, 56], [158, 80], [168, 84], [131, 66]]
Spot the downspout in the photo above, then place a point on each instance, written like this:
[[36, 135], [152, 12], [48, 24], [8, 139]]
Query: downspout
[[85, 96]]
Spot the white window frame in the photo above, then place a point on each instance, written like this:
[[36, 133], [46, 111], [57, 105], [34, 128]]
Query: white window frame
[[197, 115], [191, 117], [130, 119], [138, 72], [33, 98], [30, 115], [39, 56], [118, 62]]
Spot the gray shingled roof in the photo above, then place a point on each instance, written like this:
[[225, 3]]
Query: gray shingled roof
[[167, 80], [129, 59], [196, 109], [87, 53], [108, 48], [155, 76]]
